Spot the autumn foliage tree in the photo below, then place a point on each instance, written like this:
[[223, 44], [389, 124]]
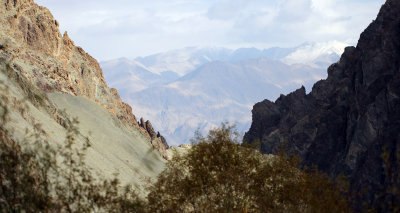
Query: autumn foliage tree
[[220, 175]]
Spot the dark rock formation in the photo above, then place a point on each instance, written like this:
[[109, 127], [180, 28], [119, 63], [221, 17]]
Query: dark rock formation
[[148, 128], [157, 140], [142, 124], [163, 141], [347, 120]]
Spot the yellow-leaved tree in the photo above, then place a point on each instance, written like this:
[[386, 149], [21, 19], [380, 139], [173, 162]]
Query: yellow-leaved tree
[[220, 175]]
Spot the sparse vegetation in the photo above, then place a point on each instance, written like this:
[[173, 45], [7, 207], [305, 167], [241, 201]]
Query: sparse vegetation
[[36, 176], [217, 175], [389, 198]]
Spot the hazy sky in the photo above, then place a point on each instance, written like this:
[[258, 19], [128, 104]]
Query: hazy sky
[[110, 29]]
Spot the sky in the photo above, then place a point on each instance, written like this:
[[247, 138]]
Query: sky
[[131, 28]]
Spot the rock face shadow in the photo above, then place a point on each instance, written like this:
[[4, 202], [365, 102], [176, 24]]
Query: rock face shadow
[[348, 120]]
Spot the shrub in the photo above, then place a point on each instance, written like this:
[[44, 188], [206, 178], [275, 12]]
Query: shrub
[[220, 175]]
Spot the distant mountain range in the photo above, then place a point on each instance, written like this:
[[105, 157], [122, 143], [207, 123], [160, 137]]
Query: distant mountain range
[[198, 88]]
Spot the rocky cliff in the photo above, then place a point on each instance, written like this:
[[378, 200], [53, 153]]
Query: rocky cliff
[[39, 55], [351, 120]]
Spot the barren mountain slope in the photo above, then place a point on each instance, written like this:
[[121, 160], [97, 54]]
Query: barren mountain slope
[[47, 69]]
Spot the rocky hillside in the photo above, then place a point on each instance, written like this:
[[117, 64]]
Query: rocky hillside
[[350, 122], [30, 40], [47, 81]]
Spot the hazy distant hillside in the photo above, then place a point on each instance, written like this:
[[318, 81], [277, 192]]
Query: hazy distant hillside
[[132, 76], [215, 92], [218, 84]]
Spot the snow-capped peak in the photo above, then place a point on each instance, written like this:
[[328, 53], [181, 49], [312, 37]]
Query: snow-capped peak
[[308, 53]]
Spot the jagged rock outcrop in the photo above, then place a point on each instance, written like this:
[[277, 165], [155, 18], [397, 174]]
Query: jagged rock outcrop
[[348, 120], [163, 140], [157, 140], [148, 128], [31, 42]]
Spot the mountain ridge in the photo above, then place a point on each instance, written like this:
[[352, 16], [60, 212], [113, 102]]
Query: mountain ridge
[[192, 58], [31, 36], [47, 82]]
